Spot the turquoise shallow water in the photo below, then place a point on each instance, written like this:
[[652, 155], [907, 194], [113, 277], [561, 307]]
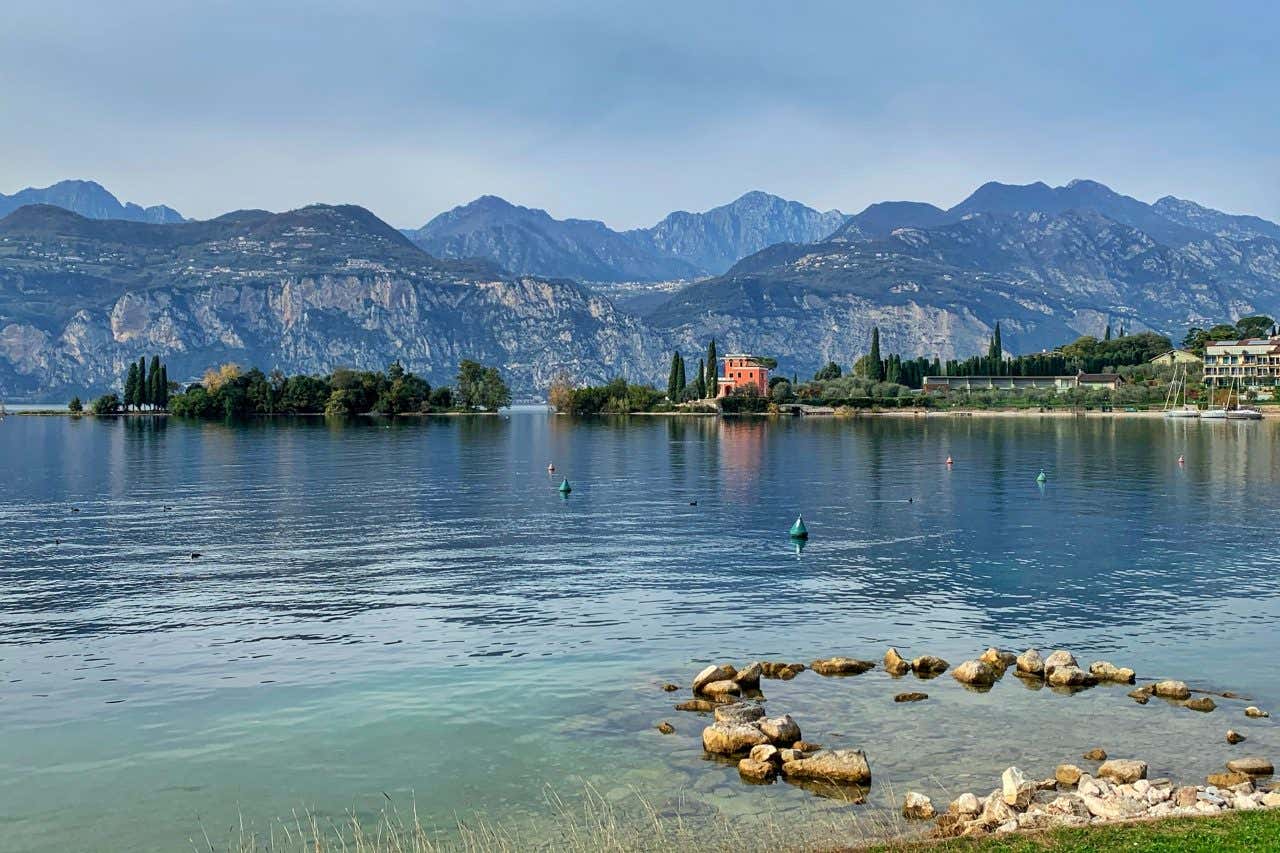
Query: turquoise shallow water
[[410, 610]]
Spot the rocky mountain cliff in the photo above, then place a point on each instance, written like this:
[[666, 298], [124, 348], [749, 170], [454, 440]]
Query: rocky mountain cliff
[[305, 291], [684, 245], [89, 199]]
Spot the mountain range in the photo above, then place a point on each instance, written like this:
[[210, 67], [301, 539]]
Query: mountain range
[[325, 286], [89, 199], [683, 245]]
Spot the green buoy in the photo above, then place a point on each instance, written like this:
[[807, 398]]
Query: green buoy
[[798, 530], [1042, 476], [565, 488]]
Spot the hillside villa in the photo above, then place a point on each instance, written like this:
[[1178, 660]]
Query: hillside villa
[[741, 371], [1176, 356]]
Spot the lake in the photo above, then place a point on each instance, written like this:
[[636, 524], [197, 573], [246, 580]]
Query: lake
[[409, 610]]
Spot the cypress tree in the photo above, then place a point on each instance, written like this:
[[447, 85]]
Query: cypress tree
[[144, 395], [877, 366], [700, 381], [996, 350], [131, 387], [713, 370], [154, 389], [671, 376], [1106, 336], [162, 388], [682, 379]]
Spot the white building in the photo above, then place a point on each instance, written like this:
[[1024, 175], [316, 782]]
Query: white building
[[1251, 363]]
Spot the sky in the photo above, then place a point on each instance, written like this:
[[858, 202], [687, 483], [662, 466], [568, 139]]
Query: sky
[[625, 112]]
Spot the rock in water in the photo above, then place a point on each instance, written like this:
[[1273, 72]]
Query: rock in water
[[1105, 670], [1069, 675], [1123, 770], [1255, 711], [839, 766], [756, 771], [766, 752], [731, 738], [1202, 703], [841, 666], [911, 697], [1057, 659], [749, 677], [1030, 663], [1234, 736], [1171, 689], [917, 807], [894, 664], [1095, 754], [1228, 780], [739, 712], [721, 688], [1252, 765], [999, 659], [928, 665], [976, 673], [666, 728], [701, 706], [710, 674], [780, 730], [670, 688]]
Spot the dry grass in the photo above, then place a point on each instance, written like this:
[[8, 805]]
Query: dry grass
[[587, 823]]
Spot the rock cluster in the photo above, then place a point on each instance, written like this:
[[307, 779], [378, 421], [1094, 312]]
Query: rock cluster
[[1120, 792], [841, 666]]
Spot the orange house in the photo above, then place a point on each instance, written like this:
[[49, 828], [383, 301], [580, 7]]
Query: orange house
[[740, 371]]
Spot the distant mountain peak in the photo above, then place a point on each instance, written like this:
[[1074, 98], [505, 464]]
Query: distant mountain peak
[[89, 199]]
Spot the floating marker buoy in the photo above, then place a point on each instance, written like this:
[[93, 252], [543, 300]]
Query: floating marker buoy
[[1042, 476], [565, 488], [550, 468], [949, 462], [798, 530]]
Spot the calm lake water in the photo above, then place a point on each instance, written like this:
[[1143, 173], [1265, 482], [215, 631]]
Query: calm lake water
[[410, 610]]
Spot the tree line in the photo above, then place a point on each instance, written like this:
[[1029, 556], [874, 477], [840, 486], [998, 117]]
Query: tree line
[[144, 389], [229, 391]]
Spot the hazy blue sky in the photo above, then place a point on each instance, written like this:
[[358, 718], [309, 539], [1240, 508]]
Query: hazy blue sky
[[592, 111]]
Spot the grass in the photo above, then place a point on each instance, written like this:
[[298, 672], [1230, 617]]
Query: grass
[[593, 823]]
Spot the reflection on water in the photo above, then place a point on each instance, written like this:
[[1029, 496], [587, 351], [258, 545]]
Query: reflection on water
[[410, 606]]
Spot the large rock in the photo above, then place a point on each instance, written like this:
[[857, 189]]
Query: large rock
[[702, 706], [1201, 703], [996, 811], [841, 666], [739, 712], [1228, 779], [1016, 789], [966, 804], [1113, 808], [1057, 659], [1171, 689], [1030, 663], [756, 771], [927, 666], [1252, 765], [1067, 774], [1067, 804], [911, 697], [917, 807], [1105, 670], [1234, 736], [779, 669], [1255, 711], [721, 689], [1095, 754], [894, 663], [766, 752], [999, 659], [839, 766], [749, 677], [782, 731], [976, 673], [712, 673], [732, 738], [1069, 675], [1123, 770]]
